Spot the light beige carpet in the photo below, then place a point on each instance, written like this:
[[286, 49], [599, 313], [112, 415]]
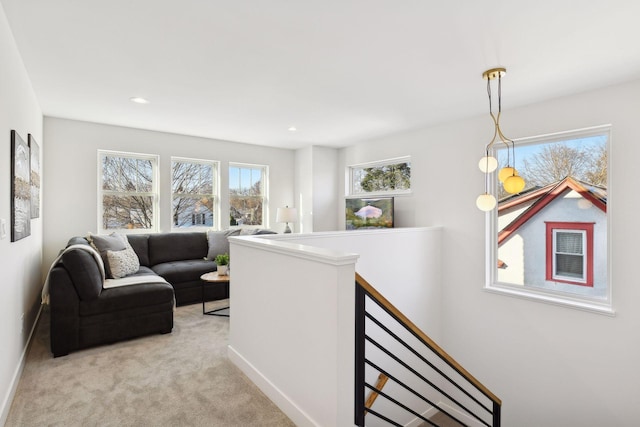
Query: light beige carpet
[[178, 379]]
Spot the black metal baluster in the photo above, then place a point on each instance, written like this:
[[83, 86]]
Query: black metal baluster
[[359, 356]]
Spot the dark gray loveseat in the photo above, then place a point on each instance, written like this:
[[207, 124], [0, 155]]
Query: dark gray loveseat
[[84, 314]]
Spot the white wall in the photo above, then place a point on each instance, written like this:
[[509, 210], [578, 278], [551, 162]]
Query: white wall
[[403, 264], [551, 365], [304, 190], [289, 333], [325, 187], [316, 188], [71, 198], [19, 261]]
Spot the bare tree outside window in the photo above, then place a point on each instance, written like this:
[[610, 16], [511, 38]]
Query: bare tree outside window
[[128, 191], [545, 163], [193, 187], [246, 194]]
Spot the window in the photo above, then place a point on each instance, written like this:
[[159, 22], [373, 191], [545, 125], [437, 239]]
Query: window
[[194, 188], [549, 242], [247, 194], [128, 193], [569, 253], [384, 177]]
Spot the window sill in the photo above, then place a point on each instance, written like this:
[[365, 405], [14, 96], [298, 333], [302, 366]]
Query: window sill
[[563, 301]]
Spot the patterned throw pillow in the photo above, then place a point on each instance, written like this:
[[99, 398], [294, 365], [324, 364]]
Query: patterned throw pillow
[[113, 242], [123, 263]]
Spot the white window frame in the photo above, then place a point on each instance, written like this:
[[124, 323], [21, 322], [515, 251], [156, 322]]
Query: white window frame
[[215, 188], [154, 193], [265, 193], [351, 190], [583, 236], [599, 306]]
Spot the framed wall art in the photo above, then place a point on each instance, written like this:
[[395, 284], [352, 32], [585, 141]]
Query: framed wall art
[[34, 151], [20, 188]]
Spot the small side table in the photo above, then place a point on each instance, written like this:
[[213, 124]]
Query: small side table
[[213, 278]]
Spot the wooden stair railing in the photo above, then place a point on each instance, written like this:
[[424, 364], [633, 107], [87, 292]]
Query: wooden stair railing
[[373, 395], [363, 289]]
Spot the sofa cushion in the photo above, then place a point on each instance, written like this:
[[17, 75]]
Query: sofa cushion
[[84, 272], [127, 297], [165, 247], [143, 271], [176, 272], [140, 244], [218, 242]]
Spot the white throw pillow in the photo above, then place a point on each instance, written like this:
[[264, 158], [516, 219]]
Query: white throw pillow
[[123, 263]]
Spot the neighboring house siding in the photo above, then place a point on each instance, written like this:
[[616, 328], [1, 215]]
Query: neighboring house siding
[[524, 252]]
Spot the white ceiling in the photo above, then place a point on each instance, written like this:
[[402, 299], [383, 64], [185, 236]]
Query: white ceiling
[[340, 71]]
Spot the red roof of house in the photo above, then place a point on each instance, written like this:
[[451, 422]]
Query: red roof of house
[[539, 198]]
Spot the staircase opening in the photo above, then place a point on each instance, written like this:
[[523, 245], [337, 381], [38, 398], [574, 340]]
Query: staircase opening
[[417, 381]]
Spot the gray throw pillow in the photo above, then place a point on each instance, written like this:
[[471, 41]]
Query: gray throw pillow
[[218, 242], [113, 242]]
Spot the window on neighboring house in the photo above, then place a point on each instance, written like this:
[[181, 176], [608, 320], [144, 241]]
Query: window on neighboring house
[[549, 242], [194, 188], [569, 253], [128, 192], [383, 177], [247, 194]]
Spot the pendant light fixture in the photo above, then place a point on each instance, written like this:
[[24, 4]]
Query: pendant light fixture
[[511, 181]]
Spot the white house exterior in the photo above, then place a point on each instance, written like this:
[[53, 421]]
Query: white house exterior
[[555, 238]]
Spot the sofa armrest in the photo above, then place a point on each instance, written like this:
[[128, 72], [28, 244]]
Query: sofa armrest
[[64, 305]]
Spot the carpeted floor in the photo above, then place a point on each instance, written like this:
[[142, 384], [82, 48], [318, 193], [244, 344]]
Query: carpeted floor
[[178, 379]]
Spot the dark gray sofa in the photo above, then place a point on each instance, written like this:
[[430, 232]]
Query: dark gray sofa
[[84, 314]]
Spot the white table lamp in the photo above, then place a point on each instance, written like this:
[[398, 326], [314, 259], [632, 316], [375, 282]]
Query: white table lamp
[[287, 215]]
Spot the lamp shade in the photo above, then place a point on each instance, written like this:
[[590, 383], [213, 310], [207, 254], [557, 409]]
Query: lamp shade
[[488, 164], [506, 172], [287, 214], [486, 202], [513, 184]]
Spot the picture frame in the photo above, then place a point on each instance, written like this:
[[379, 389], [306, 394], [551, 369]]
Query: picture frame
[[20, 188], [34, 152]]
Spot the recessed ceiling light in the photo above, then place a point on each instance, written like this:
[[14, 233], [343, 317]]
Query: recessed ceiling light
[[138, 100], [292, 129]]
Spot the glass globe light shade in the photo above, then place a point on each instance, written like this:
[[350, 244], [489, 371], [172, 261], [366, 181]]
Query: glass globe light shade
[[513, 184], [486, 202], [488, 164], [506, 172]]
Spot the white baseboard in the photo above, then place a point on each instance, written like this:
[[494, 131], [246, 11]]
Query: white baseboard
[[282, 401], [8, 400]]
